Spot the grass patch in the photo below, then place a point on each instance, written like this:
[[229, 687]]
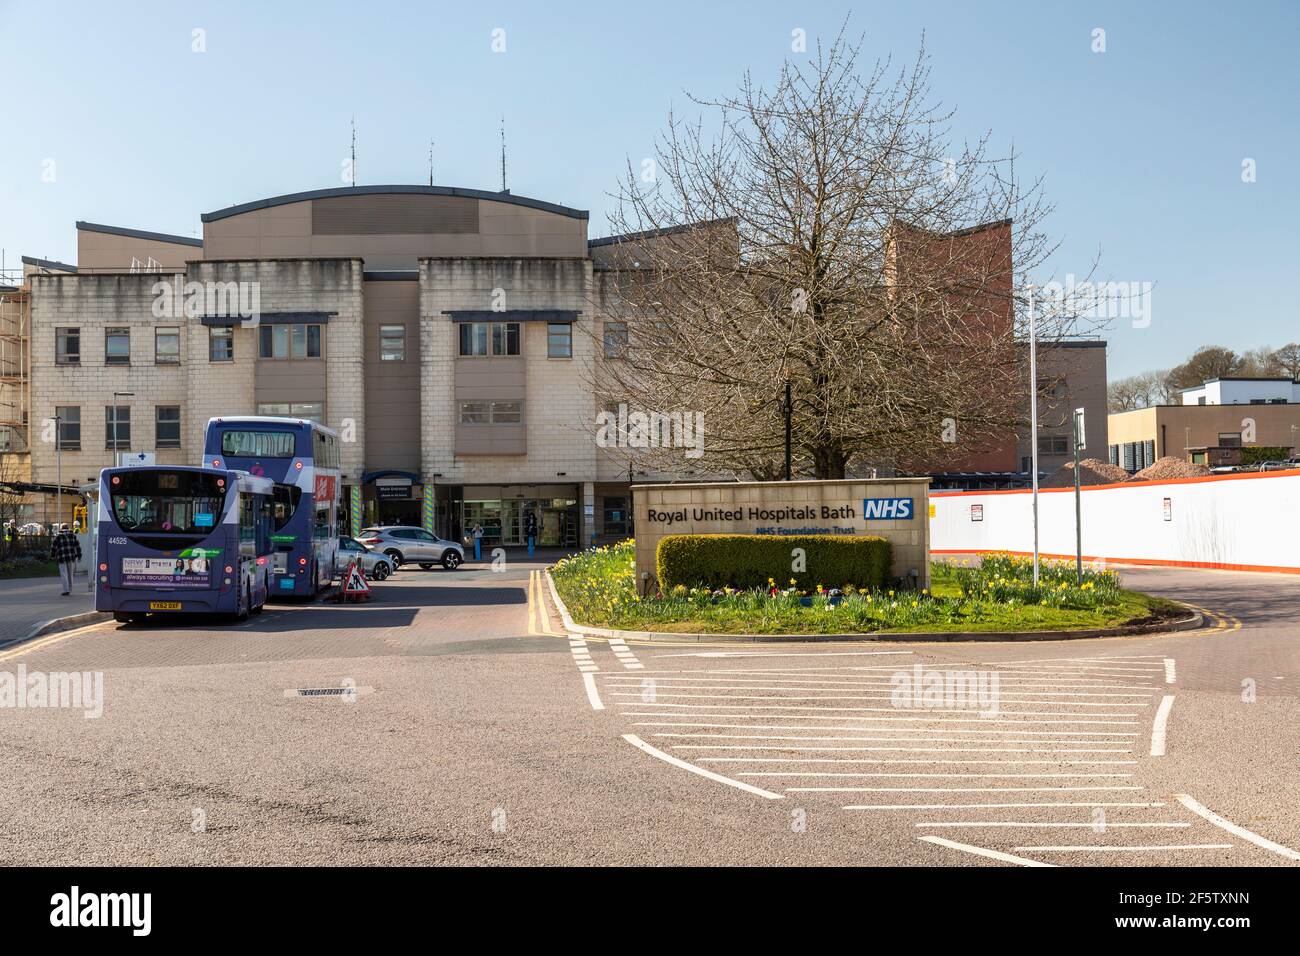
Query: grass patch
[[598, 586]]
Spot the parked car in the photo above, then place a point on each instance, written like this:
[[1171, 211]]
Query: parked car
[[1276, 465], [406, 544], [32, 528], [374, 565]]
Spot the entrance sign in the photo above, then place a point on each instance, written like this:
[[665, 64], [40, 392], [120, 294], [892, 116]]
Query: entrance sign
[[892, 508]]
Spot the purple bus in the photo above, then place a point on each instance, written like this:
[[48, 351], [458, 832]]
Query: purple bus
[[173, 538], [303, 458]]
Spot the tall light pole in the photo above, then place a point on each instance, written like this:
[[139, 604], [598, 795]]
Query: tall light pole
[[1033, 421], [58, 469], [789, 429]]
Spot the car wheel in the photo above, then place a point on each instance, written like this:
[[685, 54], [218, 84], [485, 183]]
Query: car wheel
[[395, 556], [451, 560], [380, 571]]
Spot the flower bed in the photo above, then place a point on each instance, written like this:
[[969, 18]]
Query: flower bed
[[599, 587]]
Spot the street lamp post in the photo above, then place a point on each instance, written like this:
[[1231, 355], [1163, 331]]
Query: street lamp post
[[1033, 422], [789, 415], [58, 468]]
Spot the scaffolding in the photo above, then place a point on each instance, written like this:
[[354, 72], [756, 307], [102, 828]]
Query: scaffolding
[[15, 380]]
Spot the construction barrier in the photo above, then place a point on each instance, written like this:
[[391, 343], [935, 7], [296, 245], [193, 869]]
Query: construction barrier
[[1246, 522]]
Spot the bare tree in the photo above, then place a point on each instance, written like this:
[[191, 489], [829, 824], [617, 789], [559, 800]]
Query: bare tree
[[1208, 362], [1139, 391], [1286, 361], [848, 248]]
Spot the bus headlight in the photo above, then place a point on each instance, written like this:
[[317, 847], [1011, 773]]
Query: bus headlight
[[103, 579], [227, 582]]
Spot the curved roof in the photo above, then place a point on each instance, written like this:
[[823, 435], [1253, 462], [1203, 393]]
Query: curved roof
[[504, 197]]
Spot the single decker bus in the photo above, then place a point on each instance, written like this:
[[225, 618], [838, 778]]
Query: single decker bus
[[174, 538], [303, 458]]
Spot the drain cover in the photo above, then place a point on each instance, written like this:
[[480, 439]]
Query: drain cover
[[343, 692]]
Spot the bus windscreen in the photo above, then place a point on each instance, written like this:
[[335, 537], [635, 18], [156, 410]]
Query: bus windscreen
[[249, 443], [168, 502]]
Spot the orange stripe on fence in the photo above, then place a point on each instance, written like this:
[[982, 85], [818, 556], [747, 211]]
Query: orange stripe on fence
[[1145, 562]]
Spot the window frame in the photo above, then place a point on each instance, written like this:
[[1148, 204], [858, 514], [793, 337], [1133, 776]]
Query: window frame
[[510, 335], [114, 332], [113, 440], [551, 329], [289, 334], [387, 334], [166, 331], [221, 334], [61, 335], [62, 421], [158, 440]]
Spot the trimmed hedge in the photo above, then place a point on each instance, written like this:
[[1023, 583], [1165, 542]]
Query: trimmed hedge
[[745, 561]]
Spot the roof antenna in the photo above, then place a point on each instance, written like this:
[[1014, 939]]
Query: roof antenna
[[503, 155], [430, 162], [353, 170]]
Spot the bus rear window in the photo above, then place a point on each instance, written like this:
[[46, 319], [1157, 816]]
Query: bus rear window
[[167, 502], [258, 444]]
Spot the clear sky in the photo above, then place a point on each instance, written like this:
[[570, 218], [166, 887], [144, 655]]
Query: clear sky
[[1142, 145]]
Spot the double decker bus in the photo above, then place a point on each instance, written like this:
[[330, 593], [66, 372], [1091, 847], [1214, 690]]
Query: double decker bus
[[303, 459], [174, 538]]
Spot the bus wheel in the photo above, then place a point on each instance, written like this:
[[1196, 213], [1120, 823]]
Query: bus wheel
[[258, 609], [242, 603]]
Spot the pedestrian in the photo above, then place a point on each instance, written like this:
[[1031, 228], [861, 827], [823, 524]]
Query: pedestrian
[[530, 531], [66, 550], [477, 533]]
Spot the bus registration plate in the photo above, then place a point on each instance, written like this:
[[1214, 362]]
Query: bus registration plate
[[164, 605]]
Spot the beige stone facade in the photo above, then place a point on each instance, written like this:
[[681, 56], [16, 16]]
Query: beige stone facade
[[786, 508]]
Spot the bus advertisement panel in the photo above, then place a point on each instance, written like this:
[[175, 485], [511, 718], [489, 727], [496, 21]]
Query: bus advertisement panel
[[176, 538]]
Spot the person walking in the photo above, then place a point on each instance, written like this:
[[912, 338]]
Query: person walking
[[66, 550], [530, 531]]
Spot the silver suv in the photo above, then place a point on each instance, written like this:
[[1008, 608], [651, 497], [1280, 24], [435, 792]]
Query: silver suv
[[407, 544]]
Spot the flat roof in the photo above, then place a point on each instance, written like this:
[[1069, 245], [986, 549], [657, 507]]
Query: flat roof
[[505, 197], [48, 264]]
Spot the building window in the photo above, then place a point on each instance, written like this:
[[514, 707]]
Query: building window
[[489, 338], [117, 346], [1053, 444], [167, 426], [507, 413], [289, 342], [491, 413], [167, 345], [1230, 439], [392, 343], [615, 516], [6, 438], [312, 411], [615, 339], [68, 420], [68, 348], [221, 344], [1201, 400], [559, 340], [117, 427]]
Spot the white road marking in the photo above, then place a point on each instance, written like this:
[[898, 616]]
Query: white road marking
[[593, 695], [1123, 849], [995, 806], [791, 654], [1058, 734], [929, 719], [1248, 835], [938, 714], [624, 654], [797, 683], [1158, 729], [840, 775], [937, 750], [949, 789], [1002, 700], [981, 851], [1170, 674], [640, 744], [887, 760], [1017, 825]]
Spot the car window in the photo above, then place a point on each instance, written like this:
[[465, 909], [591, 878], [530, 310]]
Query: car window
[[347, 544], [404, 534], [425, 536]]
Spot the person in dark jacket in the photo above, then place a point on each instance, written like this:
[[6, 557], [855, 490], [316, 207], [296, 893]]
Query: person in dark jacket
[[65, 549]]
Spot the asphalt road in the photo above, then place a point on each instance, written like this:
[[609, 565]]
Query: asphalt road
[[455, 723]]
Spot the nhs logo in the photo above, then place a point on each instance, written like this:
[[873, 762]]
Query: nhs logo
[[882, 509]]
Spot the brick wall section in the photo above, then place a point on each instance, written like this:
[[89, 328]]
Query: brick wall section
[[558, 407], [910, 538]]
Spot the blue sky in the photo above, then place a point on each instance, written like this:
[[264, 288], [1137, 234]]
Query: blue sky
[[1141, 146]]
